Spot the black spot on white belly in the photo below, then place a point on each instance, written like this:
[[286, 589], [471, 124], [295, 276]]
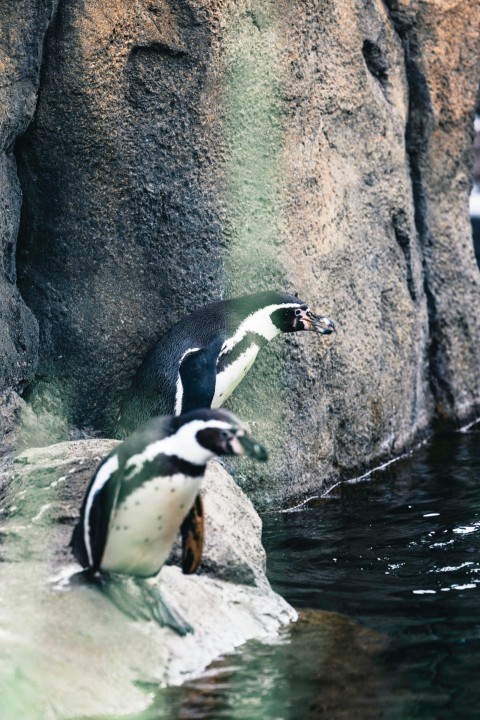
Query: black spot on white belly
[[139, 542]]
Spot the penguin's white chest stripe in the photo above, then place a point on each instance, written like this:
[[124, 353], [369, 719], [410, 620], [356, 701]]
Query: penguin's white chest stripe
[[103, 475], [232, 374], [179, 387], [143, 526]]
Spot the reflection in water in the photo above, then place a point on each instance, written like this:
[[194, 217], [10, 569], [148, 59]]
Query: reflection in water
[[308, 674], [391, 566]]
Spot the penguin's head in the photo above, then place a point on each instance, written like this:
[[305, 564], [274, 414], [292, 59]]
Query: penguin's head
[[221, 433], [296, 315]]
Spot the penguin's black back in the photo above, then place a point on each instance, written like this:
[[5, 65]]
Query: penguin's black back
[[153, 389]]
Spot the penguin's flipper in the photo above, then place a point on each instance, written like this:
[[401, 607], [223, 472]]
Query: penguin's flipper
[[90, 534], [192, 530], [198, 373], [98, 522]]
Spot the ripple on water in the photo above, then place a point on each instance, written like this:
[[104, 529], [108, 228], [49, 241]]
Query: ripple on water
[[406, 549]]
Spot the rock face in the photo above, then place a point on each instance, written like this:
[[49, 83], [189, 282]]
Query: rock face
[[57, 635], [23, 24], [443, 75], [184, 151], [114, 252]]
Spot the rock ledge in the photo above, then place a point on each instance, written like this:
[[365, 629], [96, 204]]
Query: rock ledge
[[56, 635]]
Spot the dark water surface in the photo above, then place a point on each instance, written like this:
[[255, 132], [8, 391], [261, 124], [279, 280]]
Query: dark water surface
[[395, 559]]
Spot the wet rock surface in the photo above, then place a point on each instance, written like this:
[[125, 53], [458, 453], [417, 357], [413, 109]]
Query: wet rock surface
[[179, 152], [58, 635]]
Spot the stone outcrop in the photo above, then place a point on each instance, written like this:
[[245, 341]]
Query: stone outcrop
[[184, 151], [57, 635]]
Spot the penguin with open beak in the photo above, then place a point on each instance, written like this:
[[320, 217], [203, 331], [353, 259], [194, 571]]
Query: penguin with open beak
[[201, 360], [141, 493]]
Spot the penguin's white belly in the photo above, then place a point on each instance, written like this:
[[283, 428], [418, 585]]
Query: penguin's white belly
[[228, 379], [143, 527]]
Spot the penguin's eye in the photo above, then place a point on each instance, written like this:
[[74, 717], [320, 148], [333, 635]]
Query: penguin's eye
[[298, 312], [225, 434]]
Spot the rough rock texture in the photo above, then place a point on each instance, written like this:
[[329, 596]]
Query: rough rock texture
[[442, 49], [120, 232], [373, 190], [56, 635], [184, 150], [11, 406], [23, 26]]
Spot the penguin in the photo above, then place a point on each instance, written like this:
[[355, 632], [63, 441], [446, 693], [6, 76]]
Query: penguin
[[141, 493], [200, 361]]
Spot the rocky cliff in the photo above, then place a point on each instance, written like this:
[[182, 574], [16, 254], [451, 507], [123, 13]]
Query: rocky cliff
[[170, 153]]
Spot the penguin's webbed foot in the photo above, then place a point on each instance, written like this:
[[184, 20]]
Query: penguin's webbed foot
[[192, 530], [160, 612]]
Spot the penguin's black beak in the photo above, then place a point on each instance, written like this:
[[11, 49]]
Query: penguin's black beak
[[321, 325], [252, 448]]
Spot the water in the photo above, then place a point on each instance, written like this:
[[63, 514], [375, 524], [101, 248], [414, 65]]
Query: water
[[399, 554], [394, 560]]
